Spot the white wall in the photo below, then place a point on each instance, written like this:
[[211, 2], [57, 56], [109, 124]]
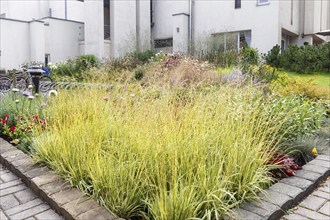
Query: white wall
[[75, 9], [122, 27], [144, 25], [14, 43], [36, 9], [288, 14], [221, 16], [163, 11], [94, 29], [62, 39], [37, 41]]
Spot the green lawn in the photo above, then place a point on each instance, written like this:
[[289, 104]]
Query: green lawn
[[322, 78]]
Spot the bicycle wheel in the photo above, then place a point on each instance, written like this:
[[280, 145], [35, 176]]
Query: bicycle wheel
[[46, 84], [21, 83], [5, 83]]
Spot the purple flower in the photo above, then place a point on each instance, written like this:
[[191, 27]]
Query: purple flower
[[27, 93]]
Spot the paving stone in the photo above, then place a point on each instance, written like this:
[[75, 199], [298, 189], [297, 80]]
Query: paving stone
[[313, 202], [23, 207], [321, 194], [55, 187], [9, 184], [294, 217], [25, 196], [286, 189], [50, 215], [4, 146], [30, 212], [264, 209], [298, 182], [2, 215], [12, 153], [324, 157], [316, 169], [12, 189], [6, 177], [310, 214], [44, 179], [8, 202], [325, 209], [16, 157], [277, 198], [102, 213], [324, 189], [76, 208], [321, 163], [36, 171], [309, 175], [23, 164], [32, 218], [66, 196]]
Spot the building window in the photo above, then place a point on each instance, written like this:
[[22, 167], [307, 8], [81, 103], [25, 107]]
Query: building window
[[263, 2], [160, 43], [237, 3], [230, 40], [106, 19]]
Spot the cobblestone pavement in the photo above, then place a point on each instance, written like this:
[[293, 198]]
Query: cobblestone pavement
[[315, 206], [19, 202]]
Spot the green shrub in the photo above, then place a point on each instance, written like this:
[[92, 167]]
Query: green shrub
[[221, 58], [138, 74], [249, 61], [303, 59], [304, 117], [85, 62], [73, 69], [273, 57]]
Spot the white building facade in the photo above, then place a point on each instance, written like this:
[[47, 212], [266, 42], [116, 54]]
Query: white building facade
[[57, 30]]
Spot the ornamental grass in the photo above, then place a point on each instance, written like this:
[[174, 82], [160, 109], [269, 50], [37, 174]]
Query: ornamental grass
[[170, 153]]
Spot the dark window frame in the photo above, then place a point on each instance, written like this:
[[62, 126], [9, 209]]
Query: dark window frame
[[238, 4]]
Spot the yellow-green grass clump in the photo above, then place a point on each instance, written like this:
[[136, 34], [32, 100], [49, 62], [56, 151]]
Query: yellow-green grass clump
[[162, 154]]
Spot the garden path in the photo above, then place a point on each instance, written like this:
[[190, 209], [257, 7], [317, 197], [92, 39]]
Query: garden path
[[19, 202]]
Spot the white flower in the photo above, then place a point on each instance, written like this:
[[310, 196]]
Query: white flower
[[52, 93], [15, 90], [30, 87], [17, 101], [30, 97]]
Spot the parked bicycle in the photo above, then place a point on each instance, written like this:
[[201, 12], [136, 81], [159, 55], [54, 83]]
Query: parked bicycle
[[21, 79]]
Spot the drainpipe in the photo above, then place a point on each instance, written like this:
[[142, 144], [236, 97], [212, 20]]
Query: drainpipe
[[303, 26], [66, 9], [190, 26], [137, 26]]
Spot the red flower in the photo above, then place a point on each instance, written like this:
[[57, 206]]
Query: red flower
[[12, 128], [6, 117], [3, 121], [36, 117]]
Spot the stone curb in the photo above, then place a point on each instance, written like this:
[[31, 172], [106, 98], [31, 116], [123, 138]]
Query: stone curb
[[287, 193], [64, 199]]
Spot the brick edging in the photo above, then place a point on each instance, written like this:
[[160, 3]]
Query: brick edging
[[287, 193], [69, 202], [72, 204]]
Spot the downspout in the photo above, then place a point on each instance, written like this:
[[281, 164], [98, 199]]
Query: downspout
[[303, 26], [137, 26], [190, 26], [66, 9]]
